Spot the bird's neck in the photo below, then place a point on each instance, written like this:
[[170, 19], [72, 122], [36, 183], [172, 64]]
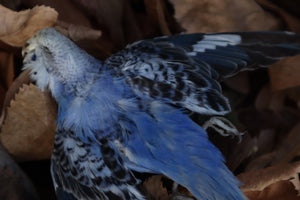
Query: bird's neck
[[78, 71], [89, 107]]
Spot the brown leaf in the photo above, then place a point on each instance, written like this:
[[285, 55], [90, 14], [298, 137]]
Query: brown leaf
[[17, 27], [285, 74], [276, 191], [28, 131], [291, 21], [219, 16], [258, 180], [23, 78]]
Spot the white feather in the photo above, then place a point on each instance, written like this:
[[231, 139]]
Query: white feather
[[210, 42]]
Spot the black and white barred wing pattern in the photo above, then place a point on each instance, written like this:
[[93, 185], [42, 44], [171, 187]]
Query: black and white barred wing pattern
[[88, 171], [184, 70]]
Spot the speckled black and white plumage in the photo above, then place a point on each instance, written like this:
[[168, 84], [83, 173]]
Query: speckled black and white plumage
[[128, 113], [186, 69]]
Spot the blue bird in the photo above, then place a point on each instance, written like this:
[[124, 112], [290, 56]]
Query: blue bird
[[130, 113]]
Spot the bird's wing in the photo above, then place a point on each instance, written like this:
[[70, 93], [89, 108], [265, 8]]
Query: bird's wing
[[184, 70], [164, 140], [86, 171]]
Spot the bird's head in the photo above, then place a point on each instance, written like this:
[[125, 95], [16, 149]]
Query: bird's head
[[53, 58]]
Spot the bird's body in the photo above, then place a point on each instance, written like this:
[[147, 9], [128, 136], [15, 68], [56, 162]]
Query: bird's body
[[129, 113]]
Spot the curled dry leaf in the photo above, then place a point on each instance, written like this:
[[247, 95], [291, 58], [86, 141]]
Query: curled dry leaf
[[258, 180], [276, 191], [219, 16], [285, 74], [29, 127], [77, 32], [17, 27]]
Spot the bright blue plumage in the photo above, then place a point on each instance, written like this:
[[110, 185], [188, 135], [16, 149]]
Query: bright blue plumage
[[129, 113]]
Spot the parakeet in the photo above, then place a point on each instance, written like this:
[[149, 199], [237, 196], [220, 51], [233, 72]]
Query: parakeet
[[129, 113]]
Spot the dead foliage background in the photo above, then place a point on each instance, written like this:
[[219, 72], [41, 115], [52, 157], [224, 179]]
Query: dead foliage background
[[265, 102]]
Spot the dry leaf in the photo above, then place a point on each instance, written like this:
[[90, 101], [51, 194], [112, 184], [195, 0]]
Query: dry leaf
[[285, 74], [276, 191], [291, 21], [29, 127], [17, 27], [223, 15], [258, 180], [23, 78]]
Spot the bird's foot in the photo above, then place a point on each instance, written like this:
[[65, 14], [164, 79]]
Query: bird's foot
[[223, 126]]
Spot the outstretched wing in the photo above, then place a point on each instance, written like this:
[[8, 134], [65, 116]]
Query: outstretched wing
[[184, 70]]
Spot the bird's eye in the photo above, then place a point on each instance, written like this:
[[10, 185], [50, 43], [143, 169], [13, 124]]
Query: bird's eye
[[34, 73], [33, 57]]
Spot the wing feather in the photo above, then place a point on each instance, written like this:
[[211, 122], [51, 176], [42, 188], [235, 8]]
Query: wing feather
[[184, 70]]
